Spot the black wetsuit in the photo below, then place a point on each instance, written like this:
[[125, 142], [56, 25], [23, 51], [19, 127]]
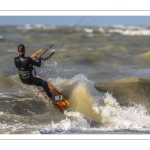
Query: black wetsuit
[[27, 72]]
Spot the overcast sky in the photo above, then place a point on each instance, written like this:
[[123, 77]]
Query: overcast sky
[[71, 20]]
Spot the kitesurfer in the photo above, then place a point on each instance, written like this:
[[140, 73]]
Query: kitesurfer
[[27, 73]]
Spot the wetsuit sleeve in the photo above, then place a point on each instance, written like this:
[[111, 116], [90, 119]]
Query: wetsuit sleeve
[[35, 63]]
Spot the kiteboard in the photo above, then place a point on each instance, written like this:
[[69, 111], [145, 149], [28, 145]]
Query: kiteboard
[[61, 105]]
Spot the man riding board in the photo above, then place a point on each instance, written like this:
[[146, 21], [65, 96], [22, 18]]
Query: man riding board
[[27, 73]]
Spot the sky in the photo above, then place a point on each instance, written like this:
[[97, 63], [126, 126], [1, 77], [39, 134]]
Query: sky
[[71, 20]]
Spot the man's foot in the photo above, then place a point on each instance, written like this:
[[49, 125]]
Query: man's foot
[[58, 98]]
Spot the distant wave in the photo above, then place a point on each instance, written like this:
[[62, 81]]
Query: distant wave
[[144, 32], [120, 29], [37, 26]]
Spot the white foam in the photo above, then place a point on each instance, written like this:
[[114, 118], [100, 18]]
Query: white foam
[[88, 30], [1, 37], [76, 123], [80, 77], [131, 31], [102, 30], [115, 116], [36, 26], [126, 30]]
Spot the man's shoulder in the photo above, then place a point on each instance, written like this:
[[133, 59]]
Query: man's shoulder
[[16, 57], [27, 57]]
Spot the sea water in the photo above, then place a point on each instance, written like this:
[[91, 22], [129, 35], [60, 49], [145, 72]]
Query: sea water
[[104, 71]]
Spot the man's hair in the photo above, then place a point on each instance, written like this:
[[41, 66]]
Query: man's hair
[[21, 48]]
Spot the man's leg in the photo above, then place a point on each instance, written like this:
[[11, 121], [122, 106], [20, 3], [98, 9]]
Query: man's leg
[[39, 82]]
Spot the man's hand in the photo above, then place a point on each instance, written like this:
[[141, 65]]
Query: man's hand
[[33, 56], [40, 58]]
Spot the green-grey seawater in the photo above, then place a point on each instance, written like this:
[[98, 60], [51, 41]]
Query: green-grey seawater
[[103, 71]]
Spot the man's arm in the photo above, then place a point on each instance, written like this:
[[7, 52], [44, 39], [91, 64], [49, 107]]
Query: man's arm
[[35, 61]]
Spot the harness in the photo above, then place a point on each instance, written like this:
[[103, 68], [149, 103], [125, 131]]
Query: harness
[[26, 73]]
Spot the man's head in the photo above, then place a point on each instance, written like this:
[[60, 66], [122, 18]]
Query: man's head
[[21, 49]]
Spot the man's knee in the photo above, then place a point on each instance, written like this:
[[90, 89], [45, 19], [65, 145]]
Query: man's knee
[[44, 83]]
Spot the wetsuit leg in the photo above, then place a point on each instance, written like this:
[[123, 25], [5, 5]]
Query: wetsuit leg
[[39, 82]]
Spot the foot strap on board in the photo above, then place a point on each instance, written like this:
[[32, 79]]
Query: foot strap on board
[[58, 98]]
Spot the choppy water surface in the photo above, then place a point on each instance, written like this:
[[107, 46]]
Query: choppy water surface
[[103, 71]]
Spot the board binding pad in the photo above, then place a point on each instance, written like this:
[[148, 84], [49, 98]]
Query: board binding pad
[[61, 105]]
